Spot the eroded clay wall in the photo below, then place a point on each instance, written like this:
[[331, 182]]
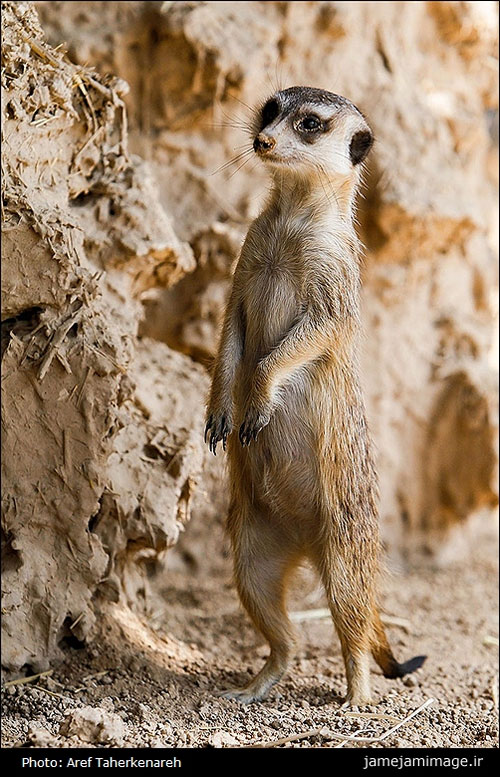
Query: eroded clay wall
[[101, 446]]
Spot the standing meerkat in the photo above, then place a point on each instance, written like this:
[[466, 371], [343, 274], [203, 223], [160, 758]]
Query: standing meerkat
[[286, 394]]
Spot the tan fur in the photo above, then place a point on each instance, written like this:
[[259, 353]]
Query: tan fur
[[305, 488]]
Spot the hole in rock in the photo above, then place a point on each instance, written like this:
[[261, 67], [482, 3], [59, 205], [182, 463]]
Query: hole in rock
[[20, 325]]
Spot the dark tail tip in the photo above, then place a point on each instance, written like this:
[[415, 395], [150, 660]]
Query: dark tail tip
[[407, 667]]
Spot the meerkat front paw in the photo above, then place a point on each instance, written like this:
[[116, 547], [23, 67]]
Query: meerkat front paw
[[220, 427], [256, 418]]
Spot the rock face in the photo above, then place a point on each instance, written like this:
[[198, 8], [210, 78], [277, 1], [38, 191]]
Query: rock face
[[114, 212], [99, 451]]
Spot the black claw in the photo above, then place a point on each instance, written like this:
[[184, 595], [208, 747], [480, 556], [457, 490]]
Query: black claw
[[216, 430], [248, 432], [247, 435], [207, 427]]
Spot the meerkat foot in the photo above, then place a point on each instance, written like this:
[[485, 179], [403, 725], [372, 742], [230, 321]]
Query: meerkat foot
[[243, 695], [258, 689], [356, 701], [358, 680]]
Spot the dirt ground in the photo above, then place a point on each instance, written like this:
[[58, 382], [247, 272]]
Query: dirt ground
[[156, 686]]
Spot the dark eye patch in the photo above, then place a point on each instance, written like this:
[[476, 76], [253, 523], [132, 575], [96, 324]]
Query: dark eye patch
[[269, 112], [360, 145]]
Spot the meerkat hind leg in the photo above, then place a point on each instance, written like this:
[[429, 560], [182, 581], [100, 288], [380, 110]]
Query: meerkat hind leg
[[352, 617], [357, 666], [262, 566]]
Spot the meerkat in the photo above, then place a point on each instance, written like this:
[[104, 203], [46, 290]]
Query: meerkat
[[286, 400]]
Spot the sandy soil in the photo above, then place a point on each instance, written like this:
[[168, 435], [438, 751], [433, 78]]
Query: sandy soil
[[147, 689]]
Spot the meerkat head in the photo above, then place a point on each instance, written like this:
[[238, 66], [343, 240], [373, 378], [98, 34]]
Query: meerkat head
[[304, 129]]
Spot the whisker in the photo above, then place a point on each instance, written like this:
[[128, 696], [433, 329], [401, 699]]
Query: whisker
[[224, 124], [233, 161], [239, 168], [324, 189], [242, 145], [239, 119], [242, 103], [277, 79], [218, 127], [275, 82], [238, 122], [324, 177]]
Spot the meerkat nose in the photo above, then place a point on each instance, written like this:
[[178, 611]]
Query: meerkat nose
[[263, 143]]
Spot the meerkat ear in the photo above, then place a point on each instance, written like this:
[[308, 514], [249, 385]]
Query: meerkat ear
[[360, 145]]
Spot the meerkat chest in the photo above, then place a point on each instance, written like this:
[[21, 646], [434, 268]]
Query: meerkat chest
[[274, 293]]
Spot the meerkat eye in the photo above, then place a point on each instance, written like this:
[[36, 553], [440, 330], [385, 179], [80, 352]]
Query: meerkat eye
[[310, 124], [269, 112]]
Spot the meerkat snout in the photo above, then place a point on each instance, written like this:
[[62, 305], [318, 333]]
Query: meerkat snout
[[263, 143]]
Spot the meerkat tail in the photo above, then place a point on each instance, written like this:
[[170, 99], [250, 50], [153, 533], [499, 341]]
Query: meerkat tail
[[383, 655], [392, 668]]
